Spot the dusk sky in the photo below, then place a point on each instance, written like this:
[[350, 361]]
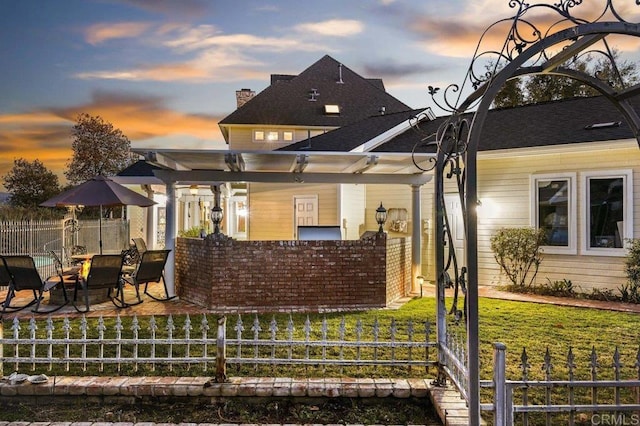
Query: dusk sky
[[166, 71]]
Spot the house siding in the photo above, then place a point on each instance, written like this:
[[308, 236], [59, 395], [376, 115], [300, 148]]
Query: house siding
[[506, 183], [271, 208], [352, 208], [504, 189], [241, 137]]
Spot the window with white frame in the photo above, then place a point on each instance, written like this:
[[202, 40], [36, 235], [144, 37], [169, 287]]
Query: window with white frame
[[607, 211], [258, 135], [554, 210]]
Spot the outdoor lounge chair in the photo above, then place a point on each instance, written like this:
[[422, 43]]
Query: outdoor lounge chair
[[150, 270], [105, 273], [23, 275], [141, 246]]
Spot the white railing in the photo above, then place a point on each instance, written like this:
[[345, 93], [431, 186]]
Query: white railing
[[165, 344], [38, 238]]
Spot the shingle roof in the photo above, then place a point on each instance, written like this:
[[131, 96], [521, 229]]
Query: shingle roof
[[286, 101], [544, 124]]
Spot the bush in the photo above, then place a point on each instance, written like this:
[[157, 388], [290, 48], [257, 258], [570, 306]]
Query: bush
[[630, 292], [518, 253], [193, 232]]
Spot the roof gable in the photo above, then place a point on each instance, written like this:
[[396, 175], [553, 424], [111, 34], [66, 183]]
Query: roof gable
[[288, 100]]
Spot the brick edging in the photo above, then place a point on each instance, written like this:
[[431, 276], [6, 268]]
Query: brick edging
[[236, 386]]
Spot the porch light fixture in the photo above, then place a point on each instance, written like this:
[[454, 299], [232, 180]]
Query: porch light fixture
[[381, 217], [193, 190], [216, 218]]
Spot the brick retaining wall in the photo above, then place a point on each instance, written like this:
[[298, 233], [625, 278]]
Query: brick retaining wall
[[226, 275]]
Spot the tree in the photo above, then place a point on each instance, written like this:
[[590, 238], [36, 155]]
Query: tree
[[98, 149], [511, 94], [543, 88], [30, 183]]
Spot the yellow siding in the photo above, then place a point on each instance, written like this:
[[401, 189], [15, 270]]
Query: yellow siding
[[241, 137], [352, 207], [504, 190], [271, 208], [504, 184]]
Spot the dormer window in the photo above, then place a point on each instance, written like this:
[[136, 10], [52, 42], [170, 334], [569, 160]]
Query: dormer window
[[331, 109]]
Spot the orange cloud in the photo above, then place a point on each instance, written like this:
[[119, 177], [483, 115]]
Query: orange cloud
[[145, 120], [100, 33]]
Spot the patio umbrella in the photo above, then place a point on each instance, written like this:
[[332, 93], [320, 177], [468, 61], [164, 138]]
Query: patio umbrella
[[99, 192]]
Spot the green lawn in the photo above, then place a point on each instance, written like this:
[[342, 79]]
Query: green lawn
[[518, 325]]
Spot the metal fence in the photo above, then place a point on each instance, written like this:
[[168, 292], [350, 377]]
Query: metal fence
[[38, 238], [604, 393], [150, 344]]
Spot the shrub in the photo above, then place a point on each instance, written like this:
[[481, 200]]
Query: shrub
[[517, 251], [630, 292], [193, 232]]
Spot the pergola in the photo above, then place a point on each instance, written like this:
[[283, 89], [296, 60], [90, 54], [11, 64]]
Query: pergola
[[211, 168]]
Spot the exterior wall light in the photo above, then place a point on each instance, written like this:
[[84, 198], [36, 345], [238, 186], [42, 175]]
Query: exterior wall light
[[193, 190], [216, 218], [381, 217]]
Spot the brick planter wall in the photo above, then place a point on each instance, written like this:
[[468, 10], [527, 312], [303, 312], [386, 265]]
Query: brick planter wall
[[266, 276]]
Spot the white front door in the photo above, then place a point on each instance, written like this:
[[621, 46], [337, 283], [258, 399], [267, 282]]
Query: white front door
[[305, 209], [454, 216]]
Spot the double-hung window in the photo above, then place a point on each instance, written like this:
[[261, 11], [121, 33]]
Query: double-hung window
[[554, 211], [607, 207]]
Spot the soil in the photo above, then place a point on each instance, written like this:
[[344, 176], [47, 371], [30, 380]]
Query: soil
[[235, 410]]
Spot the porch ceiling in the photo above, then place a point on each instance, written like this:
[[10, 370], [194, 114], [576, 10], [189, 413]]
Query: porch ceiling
[[199, 166]]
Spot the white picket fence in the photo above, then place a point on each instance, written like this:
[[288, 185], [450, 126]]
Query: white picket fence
[[38, 238], [161, 343]]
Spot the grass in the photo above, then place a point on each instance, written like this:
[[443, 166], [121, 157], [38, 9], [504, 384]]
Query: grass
[[536, 327]]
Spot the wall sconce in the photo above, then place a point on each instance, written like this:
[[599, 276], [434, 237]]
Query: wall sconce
[[216, 218], [193, 190], [381, 217]]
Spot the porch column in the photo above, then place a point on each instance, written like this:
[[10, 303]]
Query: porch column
[[416, 238], [150, 219], [170, 238]]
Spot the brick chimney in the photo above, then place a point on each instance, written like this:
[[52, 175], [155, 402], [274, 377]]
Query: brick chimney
[[243, 96]]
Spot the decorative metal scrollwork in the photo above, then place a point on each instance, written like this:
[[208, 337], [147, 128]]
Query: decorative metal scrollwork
[[531, 23]]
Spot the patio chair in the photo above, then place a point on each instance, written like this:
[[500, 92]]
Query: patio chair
[[105, 273], [130, 256], [150, 270], [140, 245], [23, 275]]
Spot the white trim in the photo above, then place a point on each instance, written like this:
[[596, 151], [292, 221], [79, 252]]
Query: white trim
[[572, 239], [393, 132], [627, 179], [558, 149]]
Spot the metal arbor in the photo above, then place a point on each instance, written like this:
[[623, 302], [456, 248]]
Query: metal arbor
[[532, 45]]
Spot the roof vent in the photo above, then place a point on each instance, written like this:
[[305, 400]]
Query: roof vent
[[603, 125], [340, 75], [382, 110], [313, 95]]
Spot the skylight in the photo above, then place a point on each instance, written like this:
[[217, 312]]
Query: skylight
[[331, 109]]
